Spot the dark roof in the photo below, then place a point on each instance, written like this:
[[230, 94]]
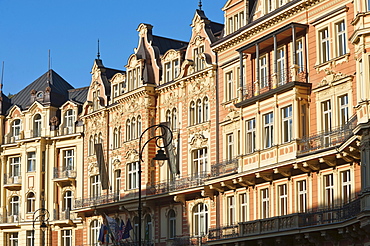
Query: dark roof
[[58, 90], [216, 28], [78, 95], [165, 44]]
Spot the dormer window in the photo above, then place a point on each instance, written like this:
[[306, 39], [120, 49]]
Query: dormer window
[[235, 22], [198, 61], [69, 118], [40, 95], [172, 70], [37, 125], [134, 77], [96, 100], [16, 129]]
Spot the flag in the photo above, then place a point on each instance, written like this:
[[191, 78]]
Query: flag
[[112, 227], [120, 231], [126, 231], [102, 233]]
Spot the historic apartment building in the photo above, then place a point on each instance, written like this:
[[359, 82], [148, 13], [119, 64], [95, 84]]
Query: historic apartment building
[[270, 120]]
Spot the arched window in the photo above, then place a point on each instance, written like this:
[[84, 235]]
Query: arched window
[[69, 118], [67, 200], [192, 113], [199, 112], [94, 232], [30, 202], [14, 208], [139, 127], [16, 129], [169, 117], [148, 228], [128, 130], [37, 125], [91, 145], [133, 128], [96, 140], [115, 138], [200, 220], [171, 224], [174, 119], [100, 138], [205, 110]]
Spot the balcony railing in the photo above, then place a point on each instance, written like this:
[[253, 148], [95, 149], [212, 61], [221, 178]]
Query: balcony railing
[[181, 183], [313, 218], [327, 139], [224, 168], [96, 200], [63, 173], [64, 214], [11, 179], [10, 218]]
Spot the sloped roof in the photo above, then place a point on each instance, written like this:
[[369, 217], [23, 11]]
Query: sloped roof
[[165, 44], [59, 90], [78, 95]]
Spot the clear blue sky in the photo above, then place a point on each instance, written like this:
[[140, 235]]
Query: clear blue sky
[[71, 28]]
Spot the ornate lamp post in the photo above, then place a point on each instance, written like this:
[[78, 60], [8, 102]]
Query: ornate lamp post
[[166, 137], [43, 217]]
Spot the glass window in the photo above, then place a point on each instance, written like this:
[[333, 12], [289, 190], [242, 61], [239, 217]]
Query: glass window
[[280, 61], [15, 167], [128, 130], [67, 200], [66, 237], [231, 210], [329, 191], [199, 161], [117, 178], [139, 126], [205, 109], [263, 77], [115, 138], [300, 58], [302, 196], [133, 128], [268, 130], [37, 125], [250, 135], [192, 113], [341, 38], [29, 238], [287, 124], [243, 206], [69, 159], [31, 161], [14, 208], [230, 146], [200, 220], [171, 224], [199, 113], [95, 188], [31, 202], [16, 129], [13, 239], [283, 199], [325, 45], [265, 203], [326, 121], [346, 186], [343, 114], [94, 232], [69, 118], [229, 86], [133, 175]]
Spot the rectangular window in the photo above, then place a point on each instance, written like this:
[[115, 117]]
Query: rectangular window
[[175, 68], [66, 237], [29, 238], [12, 239], [133, 175], [265, 203], [243, 206], [231, 210], [341, 38], [95, 186], [268, 130], [231, 25], [115, 91], [241, 17], [15, 167], [326, 121], [263, 77], [68, 156], [229, 86], [167, 72], [283, 199], [280, 61], [367, 5], [198, 61], [199, 161], [117, 178], [300, 57], [230, 146], [324, 45], [304, 124], [250, 135], [287, 124], [31, 161], [301, 196], [329, 191], [346, 186], [343, 107]]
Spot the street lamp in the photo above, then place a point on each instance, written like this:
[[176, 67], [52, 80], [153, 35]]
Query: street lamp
[[161, 156], [43, 217]]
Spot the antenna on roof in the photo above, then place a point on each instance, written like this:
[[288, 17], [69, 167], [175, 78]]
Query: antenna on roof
[[200, 4], [2, 78], [98, 49]]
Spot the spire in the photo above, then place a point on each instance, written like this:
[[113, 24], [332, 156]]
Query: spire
[[49, 67], [98, 49], [2, 78], [200, 4]]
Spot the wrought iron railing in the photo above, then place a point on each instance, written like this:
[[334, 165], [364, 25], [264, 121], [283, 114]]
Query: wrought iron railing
[[223, 232], [223, 168], [11, 179], [96, 200], [63, 173], [327, 139], [181, 183]]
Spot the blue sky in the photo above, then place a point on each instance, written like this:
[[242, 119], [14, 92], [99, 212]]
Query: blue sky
[[71, 28]]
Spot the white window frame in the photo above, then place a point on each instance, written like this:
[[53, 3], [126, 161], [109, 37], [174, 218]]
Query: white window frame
[[95, 184], [171, 224], [200, 160], [15, 166], [230, 146], [263, 71], [343, 109], [229, 86], [231, 210], [66, 237], [13, 238], [324, 44], [94, 232], [133, 175], [287, 124], [243, 207], [268, 121], [31, 161], [329, 190], [37, 124], [280, 62], [200, 220], [300, 55], [346, 184], [265, 203], [250, 129], [283, 199], [31, 202], [340, 28], [301, 196], [16, 128], [117, 179], [67, 200], [69, 117]]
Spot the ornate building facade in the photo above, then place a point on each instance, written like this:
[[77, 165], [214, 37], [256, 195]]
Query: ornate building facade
[[270, 123]]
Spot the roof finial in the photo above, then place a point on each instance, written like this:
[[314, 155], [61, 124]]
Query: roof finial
[[98, 49], [49, 67], [2, 78], [200, 5]]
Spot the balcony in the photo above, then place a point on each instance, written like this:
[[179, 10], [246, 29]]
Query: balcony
[[96, 200], [12, 182], [182, 183], [327, 139], [64, 217], [224, 168], [9, 221], [64, 176], [286, 223]]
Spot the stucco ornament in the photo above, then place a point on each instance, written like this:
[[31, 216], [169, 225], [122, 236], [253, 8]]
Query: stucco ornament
[[198, 141], [331, 76]]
